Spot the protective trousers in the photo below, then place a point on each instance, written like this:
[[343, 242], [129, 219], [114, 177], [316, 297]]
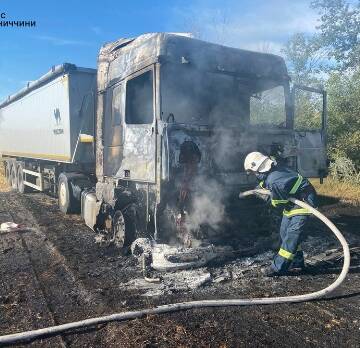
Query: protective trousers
[[291, 234]]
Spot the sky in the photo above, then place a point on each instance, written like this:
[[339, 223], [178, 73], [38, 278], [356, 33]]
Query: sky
[[73, 30]]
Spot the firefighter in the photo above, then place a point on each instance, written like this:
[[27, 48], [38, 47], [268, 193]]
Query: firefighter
[[283, 182]]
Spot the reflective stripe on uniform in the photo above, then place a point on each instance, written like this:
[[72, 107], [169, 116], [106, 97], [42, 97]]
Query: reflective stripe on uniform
[[300, 211], [261, 184], [286, 254], [275, 202], [296, 185]]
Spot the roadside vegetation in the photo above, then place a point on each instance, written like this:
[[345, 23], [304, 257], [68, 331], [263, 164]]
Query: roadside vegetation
[[342, 183], [3, 184], [344, 180], [344, 191], [330, 58]]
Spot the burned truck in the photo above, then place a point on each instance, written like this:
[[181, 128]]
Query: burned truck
[[155, 146]]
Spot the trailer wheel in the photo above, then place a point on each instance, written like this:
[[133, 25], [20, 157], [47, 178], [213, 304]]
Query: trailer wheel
[[8, 172], [13, 177], [22, 188], [67, 203]]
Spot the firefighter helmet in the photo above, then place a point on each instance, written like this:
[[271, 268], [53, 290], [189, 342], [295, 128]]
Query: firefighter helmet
[[257, 162]]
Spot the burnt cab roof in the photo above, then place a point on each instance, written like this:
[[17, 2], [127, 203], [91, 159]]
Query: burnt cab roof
[[125, 56]]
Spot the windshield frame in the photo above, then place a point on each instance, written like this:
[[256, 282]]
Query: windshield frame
[[288, 124]]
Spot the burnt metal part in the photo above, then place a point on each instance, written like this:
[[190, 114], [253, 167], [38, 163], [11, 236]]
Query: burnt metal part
[[118, 226], [115, 226], [203, 176], [124, 226], [124, 57]]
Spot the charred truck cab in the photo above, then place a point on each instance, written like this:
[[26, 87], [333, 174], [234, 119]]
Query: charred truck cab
[[152, 144], [175, 119]]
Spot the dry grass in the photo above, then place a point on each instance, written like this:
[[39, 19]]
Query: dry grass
[[346, 192], [3, 184]]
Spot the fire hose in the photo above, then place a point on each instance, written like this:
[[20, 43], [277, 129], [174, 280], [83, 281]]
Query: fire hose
[[174, 307]]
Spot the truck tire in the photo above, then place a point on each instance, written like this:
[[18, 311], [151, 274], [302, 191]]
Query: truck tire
[[8, 172], [20, 179], [67, 202], [124, 226], [13, 177]]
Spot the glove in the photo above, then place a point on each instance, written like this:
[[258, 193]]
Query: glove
[[265, 198]]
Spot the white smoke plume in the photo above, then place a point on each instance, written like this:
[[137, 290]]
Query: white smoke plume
[[208, 206]]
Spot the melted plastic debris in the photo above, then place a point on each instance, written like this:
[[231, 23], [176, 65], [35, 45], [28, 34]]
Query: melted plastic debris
[[171, 258], [167, 258], [239, 271], [183, 269], [10, 226]]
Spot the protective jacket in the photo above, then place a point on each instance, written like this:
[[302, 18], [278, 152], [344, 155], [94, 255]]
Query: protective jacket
[[283, 183]]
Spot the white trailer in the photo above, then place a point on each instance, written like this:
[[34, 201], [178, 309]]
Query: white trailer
[[48, 127]]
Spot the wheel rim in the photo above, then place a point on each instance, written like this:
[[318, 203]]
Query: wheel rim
[[119, 229], [62, 194]]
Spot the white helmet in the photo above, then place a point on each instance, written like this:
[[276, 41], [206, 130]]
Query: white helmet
[[257, 162]]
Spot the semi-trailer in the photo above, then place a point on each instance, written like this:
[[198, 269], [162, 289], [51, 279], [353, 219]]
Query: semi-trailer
[[152, 142]]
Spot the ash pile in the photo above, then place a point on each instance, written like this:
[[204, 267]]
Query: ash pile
[[169, 269]]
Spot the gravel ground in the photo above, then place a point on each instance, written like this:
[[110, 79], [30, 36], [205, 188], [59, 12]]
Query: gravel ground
[[55, 274]]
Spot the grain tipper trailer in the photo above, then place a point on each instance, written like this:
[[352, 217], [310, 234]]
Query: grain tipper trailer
[[41, 127], [153, 144]]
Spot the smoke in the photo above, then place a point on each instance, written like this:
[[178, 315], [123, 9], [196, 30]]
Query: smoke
[[199, 93], [208, 206], [203, 98]]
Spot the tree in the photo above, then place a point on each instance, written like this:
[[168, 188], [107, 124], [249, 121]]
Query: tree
[[339, 31], [344, 114], [305, 60], [304, 57], [331, 56]]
